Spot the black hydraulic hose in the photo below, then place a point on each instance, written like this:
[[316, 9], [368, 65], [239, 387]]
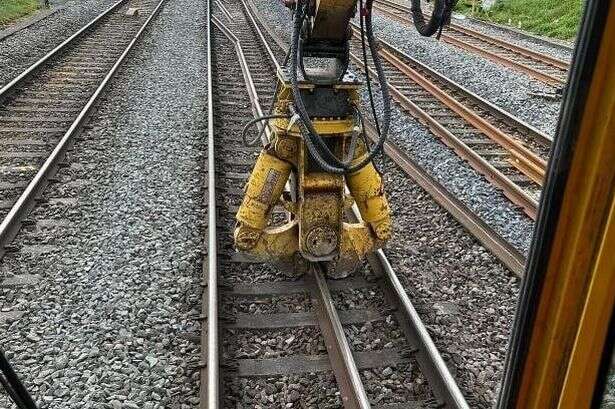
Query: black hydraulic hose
[[319, 151], [368, 80], [440, 16], [244, 133], [366, 139], [384, 89], [331, 164]]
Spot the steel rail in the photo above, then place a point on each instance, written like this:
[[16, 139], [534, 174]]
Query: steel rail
[[255, 103], [340, 355], [556, 62], [12, 222], [449, 37], [538, 74], [224, 10], [527, 36], [5, 90], [510, 30], [485, 234], [502, 249], [426, 353], [264, 42], [424, 350], [210, 376]]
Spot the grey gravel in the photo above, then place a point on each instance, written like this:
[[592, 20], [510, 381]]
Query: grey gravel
[[304, 391], [357, 299], [267, 305], [465, 296], [397, 385], [459, 178], [28, 45], [111, 322], [267, 344], [375, 335]]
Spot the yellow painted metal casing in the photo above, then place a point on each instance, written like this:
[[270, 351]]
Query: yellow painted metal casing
[[315, 230], [321, 196], [366, 188], [263, 191]]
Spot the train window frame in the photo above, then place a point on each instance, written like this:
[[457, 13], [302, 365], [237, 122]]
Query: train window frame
[[606, 366], [591, 43]]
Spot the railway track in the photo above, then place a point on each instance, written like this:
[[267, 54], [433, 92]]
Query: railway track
[[508, 30], [45, 263], [507, 152], [43, 109], [542, 67], [275, 340]]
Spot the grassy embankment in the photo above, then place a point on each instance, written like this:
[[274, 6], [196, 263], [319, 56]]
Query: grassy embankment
[[13, 9], [552, 18]]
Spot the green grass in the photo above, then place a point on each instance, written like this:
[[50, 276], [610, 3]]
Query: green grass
[[552, 18], [13, 9]]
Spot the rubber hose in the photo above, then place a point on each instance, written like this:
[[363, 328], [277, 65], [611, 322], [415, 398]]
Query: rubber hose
[[316, 146], [368, 80], [244, 133], [439, 17], [337, 166]]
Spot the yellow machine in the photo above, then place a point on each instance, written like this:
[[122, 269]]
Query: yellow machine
[[317, 144]]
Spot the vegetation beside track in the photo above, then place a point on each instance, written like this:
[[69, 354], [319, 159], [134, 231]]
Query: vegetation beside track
[[552, 18], [11, 10]]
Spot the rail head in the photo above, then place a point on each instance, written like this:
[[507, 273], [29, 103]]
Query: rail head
[[496, 26], [210, 374], [510, 189], [340, 355], [432, 364], [487, 105], [272, 57], [512, 258], [253, 94]]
